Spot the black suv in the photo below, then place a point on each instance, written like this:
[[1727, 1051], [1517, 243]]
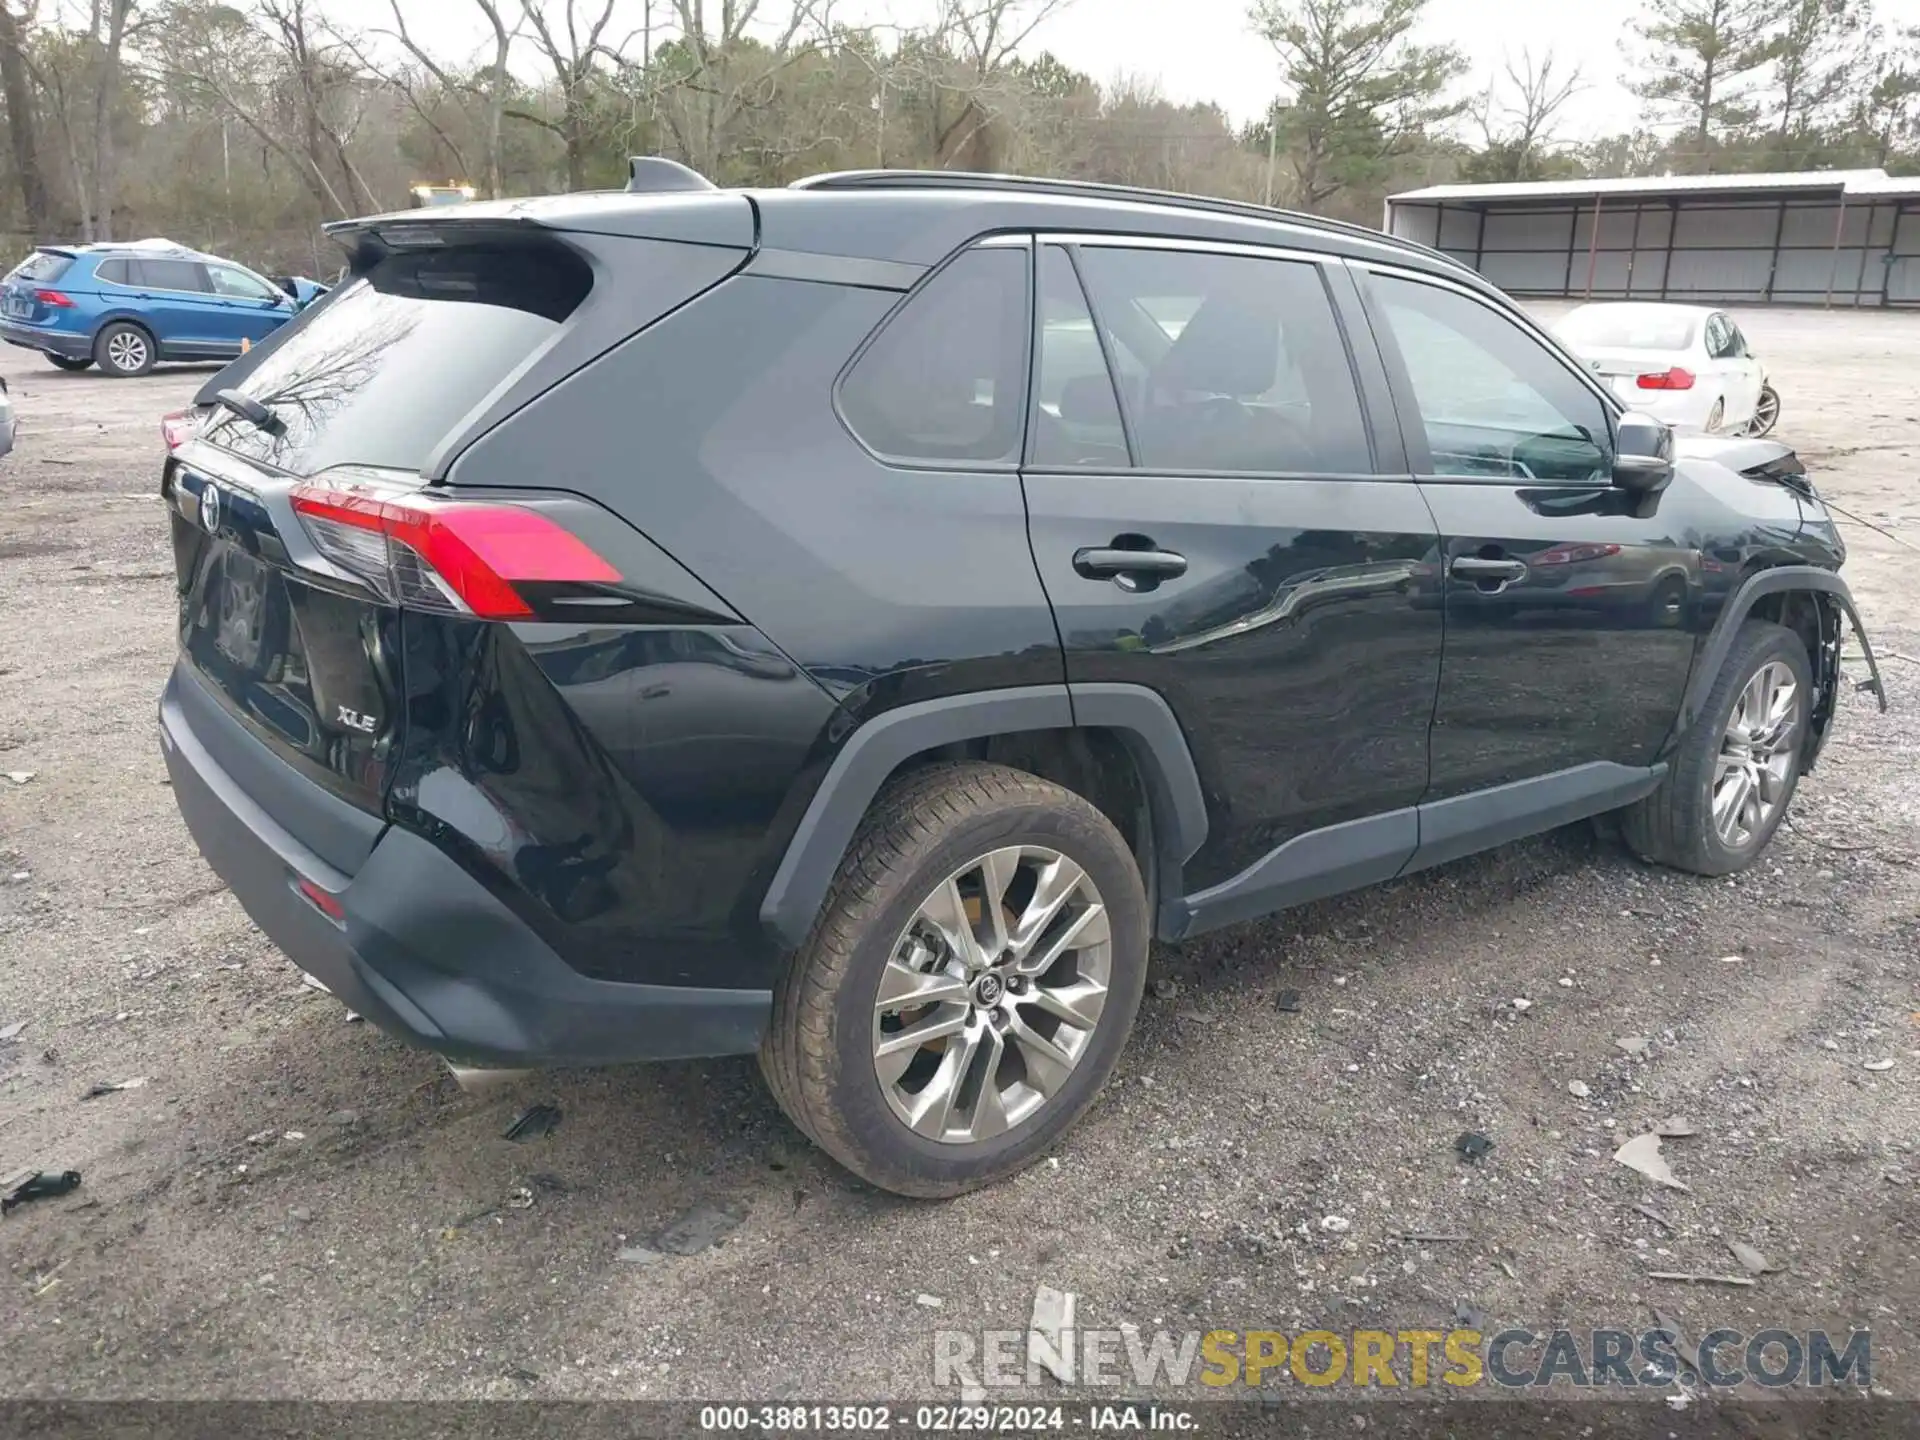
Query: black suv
[[850, 622]]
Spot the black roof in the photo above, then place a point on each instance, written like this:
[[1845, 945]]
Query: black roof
[[919, 217]]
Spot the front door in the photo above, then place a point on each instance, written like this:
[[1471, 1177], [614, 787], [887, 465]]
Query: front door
[[1208, 521], [1570, 604], [247, 308]]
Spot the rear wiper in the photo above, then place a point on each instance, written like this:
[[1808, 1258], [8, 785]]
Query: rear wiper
[[249, 409]]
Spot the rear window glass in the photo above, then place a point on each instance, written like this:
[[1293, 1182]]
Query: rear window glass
[[945, 380], [43, 266], [388, 366], [1628, 329]]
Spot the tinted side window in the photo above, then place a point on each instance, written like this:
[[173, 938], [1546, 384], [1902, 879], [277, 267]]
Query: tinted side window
[[1492, 399], [946, 377], [170, 275], [1228, 362], [1718, 345], [114, 272], [1076, 419]]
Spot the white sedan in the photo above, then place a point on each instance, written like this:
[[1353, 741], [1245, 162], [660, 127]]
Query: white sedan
[[1684, 364]]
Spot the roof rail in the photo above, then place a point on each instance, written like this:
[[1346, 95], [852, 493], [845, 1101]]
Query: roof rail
[[1083, 189], [656, 174]]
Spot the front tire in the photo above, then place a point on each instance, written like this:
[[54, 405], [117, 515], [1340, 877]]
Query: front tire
[[124, 350], [969, 985], [1729, 784], [70, 362]]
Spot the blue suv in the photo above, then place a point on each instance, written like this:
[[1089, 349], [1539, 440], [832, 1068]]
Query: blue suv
[[126, 306]]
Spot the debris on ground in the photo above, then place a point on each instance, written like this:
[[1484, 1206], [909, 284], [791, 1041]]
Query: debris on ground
[[1579, 1089], [1686, 1278], [294, 1135], [1634, 1045], [1050, 1333], [1732, 959], [1675, 1127], [1472, 1145], [1417, 1237], [700, 1228], [1751, 1260], [520, 1199], [1879, 1065], [1335, 1224], [25, 1185], [1522, 1004], [260, 1137], [1165, 988], [1654, 1215], [928, 1302], [344, 1119], [1677, 1338], [1289, 1002], [638, 1255], [533, 1123], [1642, 1153], [9, 1032], [20, 777], [313, 982], [105, 1088], [1470, 1317]]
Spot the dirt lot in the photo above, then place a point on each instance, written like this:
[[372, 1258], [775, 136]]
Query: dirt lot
[[295, 1205]]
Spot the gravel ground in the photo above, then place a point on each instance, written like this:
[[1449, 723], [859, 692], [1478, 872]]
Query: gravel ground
[[296, 1205]]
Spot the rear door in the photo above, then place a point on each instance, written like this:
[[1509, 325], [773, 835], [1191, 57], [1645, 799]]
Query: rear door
[[174, 299], [1570, 604], [41, 271], [1209, 522]]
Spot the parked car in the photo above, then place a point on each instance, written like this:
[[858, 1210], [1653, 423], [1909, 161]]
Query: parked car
[[999, 653], [126, 306], [1686, 365]]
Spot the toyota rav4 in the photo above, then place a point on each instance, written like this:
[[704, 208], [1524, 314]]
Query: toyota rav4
[[851, 622]]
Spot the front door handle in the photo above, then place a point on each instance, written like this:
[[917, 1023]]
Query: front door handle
[[1476, 567], [1108, 563]]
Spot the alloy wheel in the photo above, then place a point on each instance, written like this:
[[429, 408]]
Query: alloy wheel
[[1756, 756], [991, 995], [1766, 414], [127, 351]]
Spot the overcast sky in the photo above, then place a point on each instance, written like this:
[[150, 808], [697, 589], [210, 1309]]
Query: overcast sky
[[1204, 49]]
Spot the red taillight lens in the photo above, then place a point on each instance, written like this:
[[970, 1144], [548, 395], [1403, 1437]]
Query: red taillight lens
[[325, 901], [1674, 379], [1573, 554], [53, 298], [178, 428], [451, 556]]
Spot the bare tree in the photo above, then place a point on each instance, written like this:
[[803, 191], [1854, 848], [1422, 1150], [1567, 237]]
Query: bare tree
[[573, 51], [110, 19], [724, 72], [1516, 120], [17, 90]]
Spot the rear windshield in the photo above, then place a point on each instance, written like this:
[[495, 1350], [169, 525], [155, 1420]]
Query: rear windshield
[[391, 364], [1629, 329], [43, 267]]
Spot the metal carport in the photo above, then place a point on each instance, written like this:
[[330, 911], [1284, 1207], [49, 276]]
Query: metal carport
[[1819, 237]]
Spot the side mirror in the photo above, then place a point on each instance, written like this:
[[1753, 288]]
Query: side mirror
[[1643, 454]]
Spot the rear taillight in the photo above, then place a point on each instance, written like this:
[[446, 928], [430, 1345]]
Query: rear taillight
[[1674, 379], [1573, 554], [54, 298], [455, 557], [178, 428]]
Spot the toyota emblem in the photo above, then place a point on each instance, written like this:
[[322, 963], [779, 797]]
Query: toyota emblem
[[210, 508]]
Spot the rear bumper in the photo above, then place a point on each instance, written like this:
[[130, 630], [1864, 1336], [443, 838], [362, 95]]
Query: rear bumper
[[423, 950], [47, 342]]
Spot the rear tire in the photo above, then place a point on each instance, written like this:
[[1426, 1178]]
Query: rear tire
[[124, 350], [70, 362], [934, 845], [1730, 782], [1766, 414]]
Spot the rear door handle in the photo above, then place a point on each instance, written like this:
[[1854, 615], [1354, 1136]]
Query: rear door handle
[[1104, 563], [1475, 567]]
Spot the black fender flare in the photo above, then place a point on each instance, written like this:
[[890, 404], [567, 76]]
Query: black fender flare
[[877, 748], [1773, 581]]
